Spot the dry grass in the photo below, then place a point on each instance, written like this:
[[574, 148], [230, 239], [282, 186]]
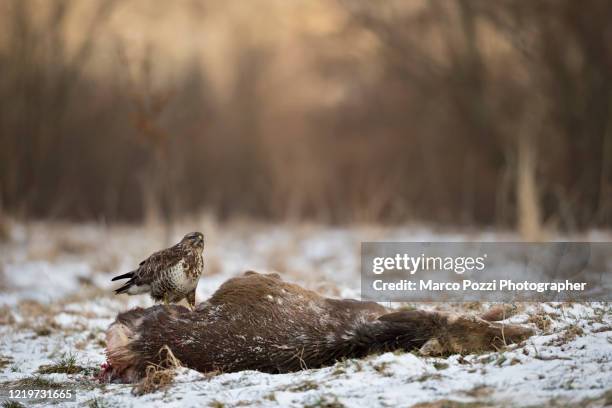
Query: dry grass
[[604, 400], [158, 377], [572, 332], [568, 335], [326, 401], [479, 391], [304, 386], [440, 365], [66, 365], [383, 369], [5, 361], [37, 381], [43, 331], [33, 309], [38, 319], [602, 329], [73, 245], [541, 320], [6, 317], [96, 403], [12, 404], [106, 262], [500, 312], [452, 404]]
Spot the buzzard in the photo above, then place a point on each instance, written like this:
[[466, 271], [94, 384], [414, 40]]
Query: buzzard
[[169, 275]]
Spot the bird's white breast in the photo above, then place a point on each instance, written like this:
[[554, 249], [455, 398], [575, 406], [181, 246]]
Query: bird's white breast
[[177, 275]]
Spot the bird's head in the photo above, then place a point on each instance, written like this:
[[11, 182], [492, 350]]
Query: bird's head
[[194, 240]]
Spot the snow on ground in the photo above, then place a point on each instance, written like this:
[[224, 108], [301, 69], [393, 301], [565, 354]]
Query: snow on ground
[[56, 301]]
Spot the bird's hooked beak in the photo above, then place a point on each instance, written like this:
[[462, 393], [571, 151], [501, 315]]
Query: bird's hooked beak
[[195, 239]]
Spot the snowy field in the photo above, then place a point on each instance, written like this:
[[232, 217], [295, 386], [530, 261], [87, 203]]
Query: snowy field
[[56, 301]]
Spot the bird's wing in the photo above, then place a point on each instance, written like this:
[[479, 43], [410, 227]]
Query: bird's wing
[[151, 268]]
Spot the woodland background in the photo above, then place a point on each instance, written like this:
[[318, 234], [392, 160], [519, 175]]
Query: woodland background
[[465, 112]]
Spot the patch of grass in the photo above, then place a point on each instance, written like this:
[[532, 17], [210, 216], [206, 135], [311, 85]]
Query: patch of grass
[[440, 365], [451, 404], [304, 386], [541, 320], [406, 308], [211, 374], [472, 306], [155, 379], [158, 377], [574, 331], [500, 360], [66, 365], [339, 370], [486, 359], [499, 312], [41, 326], [427, 376], [357, 364], [606, 397], [270, 397], [38, 382], [570, 333], [6, 317], [67, 244], [326, 401], [479, 391], [5, 361], [383, 369], [12, 404], [340, 367], [602, 329], [32, 309], [42, 331], [96, 403], [515, 361], [216, 404]]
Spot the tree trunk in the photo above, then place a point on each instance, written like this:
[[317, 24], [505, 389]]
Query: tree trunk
[[528, 204]]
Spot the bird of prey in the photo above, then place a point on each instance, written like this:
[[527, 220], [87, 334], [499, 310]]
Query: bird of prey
[[169, 275]]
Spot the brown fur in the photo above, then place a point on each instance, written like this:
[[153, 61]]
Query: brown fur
[[259, 322]]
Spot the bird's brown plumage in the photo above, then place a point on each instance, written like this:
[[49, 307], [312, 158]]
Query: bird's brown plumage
[[169, 275]]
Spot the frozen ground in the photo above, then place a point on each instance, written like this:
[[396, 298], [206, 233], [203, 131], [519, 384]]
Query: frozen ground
[[56, 301]]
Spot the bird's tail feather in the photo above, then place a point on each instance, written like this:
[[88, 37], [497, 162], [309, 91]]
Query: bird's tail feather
[[124, 276]]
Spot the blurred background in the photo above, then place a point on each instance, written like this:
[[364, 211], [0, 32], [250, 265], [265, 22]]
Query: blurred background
[[462, 113]]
